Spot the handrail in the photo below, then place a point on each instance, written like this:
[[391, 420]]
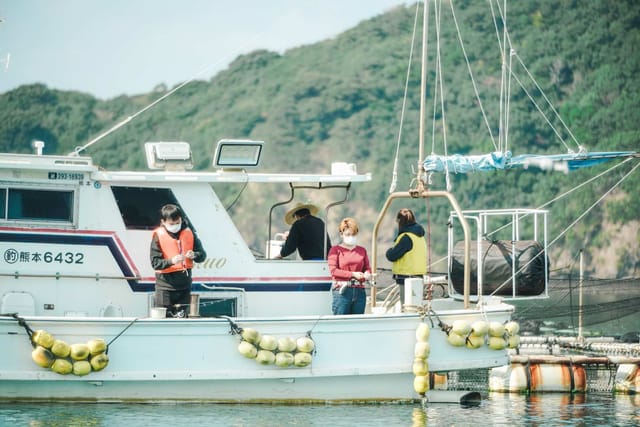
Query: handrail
[[423, 194], [96, 276], [293, 187]]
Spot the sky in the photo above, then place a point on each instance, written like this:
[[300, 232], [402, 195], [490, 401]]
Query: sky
[[109, 48]]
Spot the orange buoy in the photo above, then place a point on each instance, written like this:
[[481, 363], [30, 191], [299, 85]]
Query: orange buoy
[[538, 377], [437, 381]]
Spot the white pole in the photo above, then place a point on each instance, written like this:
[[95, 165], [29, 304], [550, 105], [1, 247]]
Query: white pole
[[580, 337]]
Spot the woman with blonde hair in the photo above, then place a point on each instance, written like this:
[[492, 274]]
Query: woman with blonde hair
[[350, 269]]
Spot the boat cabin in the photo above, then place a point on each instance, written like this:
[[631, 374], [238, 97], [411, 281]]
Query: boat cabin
[[74, 238]]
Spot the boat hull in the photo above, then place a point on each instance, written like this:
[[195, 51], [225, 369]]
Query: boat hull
[[356, 358]]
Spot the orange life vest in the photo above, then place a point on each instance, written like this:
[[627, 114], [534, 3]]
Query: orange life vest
[[171, 247]]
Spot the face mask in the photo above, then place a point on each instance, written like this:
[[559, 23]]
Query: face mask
[[349, 240], [173, 228]]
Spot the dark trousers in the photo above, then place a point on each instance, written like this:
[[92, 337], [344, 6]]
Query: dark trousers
[[175, 301]]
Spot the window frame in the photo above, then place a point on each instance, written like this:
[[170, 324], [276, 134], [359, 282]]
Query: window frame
[[6, 189]]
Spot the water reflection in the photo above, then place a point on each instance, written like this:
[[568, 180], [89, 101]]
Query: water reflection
[[504, 409], [495, 409]]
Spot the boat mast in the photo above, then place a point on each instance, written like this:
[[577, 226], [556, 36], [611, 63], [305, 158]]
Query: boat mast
[[420, 191], [503, 125], [423, 94]]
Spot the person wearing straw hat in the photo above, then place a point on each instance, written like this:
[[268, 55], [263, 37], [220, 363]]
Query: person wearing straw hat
[[307, 233]]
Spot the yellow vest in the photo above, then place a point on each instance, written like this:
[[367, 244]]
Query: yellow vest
[[413, 262]]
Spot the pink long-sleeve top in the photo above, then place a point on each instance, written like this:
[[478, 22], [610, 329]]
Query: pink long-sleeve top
[[342, 261]]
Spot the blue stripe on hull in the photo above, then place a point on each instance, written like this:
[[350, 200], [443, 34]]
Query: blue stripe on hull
[[140, 286], [247, 287], [79, 240]]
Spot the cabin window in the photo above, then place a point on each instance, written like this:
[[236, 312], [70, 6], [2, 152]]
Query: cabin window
[[212, 307], [140, 206], [37, 205], [3, 204]]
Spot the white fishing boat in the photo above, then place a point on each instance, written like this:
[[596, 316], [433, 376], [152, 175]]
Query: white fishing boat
[[75, 244], [74, 240]]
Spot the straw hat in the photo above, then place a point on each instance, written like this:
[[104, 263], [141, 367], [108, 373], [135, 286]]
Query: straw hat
[[288, 217]]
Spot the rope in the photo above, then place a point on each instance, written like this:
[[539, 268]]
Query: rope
[[544, 116], [22, 323], [428, 311], [563, 232], [565, 194], [235, 329], [473, 81], [595, 203], [394, 179], [121, 332], [205, 69], [505, 83], [557, 115], [547, 99], [578, 219]]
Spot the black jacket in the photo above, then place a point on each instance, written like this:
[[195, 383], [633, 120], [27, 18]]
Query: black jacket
[[405, 244], [307, 236]]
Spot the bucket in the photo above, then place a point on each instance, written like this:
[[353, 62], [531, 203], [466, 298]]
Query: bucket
[[158, 312]]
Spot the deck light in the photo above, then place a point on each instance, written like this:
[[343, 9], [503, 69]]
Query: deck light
[[168, 155], [237, 154]]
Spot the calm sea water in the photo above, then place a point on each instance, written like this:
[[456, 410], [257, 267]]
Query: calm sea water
[[496, 409]]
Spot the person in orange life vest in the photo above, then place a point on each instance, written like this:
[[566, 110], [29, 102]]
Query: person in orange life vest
[[350, 269], [409, 252], [174, 249]]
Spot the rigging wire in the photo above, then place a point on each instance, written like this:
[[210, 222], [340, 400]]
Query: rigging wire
[[473, 81], [566, 193], [541, 112], [595, 203], [507, 82], [438, 13], [80, 149], [542, 92], [559, 117], [394, 178], [206, 69], [563, 232], [423, 91]]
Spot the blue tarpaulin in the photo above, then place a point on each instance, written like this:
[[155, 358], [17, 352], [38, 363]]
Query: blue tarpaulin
[[498, 161]]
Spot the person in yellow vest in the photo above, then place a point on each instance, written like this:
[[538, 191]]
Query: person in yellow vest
[[409, 252], [174, 249]]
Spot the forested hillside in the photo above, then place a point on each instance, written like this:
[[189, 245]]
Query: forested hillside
[[340, 100]]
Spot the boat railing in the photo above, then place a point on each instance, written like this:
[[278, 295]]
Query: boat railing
[[319, 186], [97, 276], [33, 161], [415, 194], [503, 228]]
